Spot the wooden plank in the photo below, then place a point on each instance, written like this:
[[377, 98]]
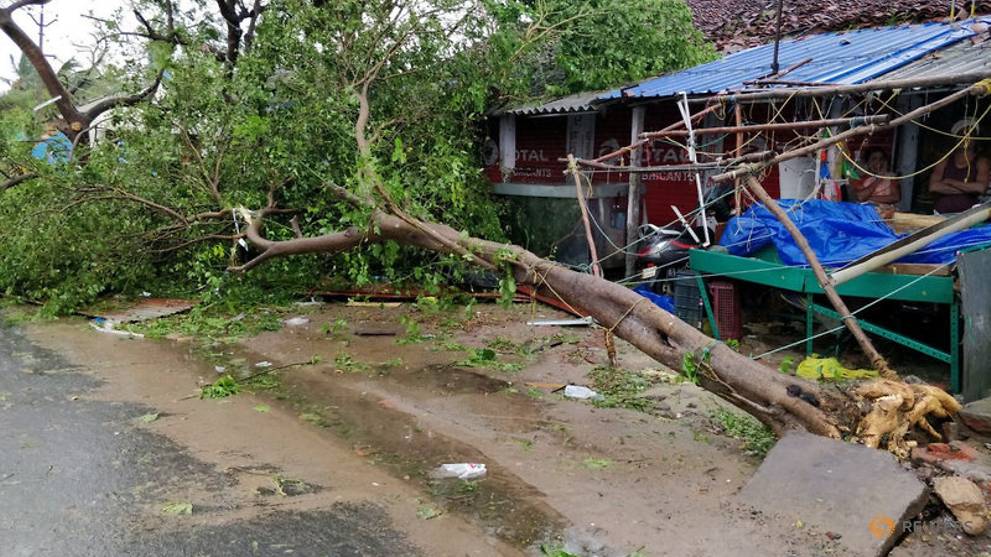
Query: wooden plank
[[916, 269], [910, 222]]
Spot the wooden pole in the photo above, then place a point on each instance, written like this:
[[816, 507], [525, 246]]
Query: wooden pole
[[877, 360], [634, 195], [780, 126], [592, 251]]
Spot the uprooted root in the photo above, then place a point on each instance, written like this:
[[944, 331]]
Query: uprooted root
[[897, 408]]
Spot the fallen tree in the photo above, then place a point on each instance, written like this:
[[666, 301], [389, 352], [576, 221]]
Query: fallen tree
[[221, 168]]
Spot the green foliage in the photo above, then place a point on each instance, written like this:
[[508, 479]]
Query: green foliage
[[596, 463], [620, 389], [223, 387], [620, 41], [757, 438], [117, 218], [787, 365], [552, 550]]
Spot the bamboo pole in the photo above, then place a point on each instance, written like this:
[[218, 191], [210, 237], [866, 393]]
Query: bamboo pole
[[877, 360], [912, 243], [737, 205], [593, 252], [981, 87], [637, 144], [750, 157], [780, 126], [825, 91]]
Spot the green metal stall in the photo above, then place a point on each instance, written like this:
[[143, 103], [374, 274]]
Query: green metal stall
[[764, 269]]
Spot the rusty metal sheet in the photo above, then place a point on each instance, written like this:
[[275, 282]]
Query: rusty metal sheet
[[148, 309]]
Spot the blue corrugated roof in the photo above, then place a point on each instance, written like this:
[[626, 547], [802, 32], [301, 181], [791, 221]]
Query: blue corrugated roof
[[839, 58]]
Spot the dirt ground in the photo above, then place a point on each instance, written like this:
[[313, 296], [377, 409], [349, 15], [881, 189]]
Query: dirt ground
[[375, 403]]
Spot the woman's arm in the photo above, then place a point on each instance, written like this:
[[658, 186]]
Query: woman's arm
[[894, 194], [937, 184]]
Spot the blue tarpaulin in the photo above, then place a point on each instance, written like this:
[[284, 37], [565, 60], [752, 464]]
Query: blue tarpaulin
[[838, 233]]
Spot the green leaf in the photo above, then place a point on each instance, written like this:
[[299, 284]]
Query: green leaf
[[148, 418], [178, 508], [263, 408]]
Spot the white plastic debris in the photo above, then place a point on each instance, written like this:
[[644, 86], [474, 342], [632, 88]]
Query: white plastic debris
[[107, 326], [296, 321], [219, 369], [582, 322], [579, 392], [264, 364], [461, 471]]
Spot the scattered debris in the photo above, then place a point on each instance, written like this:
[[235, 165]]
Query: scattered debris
[[965, 501], [177, 508], [290, 487], [977, 415], [263, 408], [934, 453], [148, 418], [596, 463], [108, 326], [220, 369], [221, 388], [355, 304], [264, 364], [862, 494], [579, 392], [461, 471], [581, 322], [426, 512], [298, 321]]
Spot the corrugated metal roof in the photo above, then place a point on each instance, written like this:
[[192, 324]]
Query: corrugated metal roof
[[581, 102], [962, 58], [840, 58]]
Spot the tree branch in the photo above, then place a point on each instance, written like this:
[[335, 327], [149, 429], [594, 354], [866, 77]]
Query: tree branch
[[99, 106]]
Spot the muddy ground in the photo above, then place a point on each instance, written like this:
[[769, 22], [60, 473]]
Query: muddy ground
[[336, 444]]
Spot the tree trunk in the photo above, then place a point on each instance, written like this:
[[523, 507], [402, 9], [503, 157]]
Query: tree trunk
[[780, 401]]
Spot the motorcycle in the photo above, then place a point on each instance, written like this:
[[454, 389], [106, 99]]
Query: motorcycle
[[663, 253]]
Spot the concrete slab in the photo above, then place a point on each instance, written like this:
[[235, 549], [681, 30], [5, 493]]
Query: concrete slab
[[977, 415], [860, 493]]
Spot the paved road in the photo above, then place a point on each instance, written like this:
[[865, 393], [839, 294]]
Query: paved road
[[76, 476]]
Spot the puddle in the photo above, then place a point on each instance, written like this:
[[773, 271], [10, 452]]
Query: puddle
[[502, 504]]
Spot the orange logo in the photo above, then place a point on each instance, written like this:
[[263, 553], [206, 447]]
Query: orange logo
[[881, 526]]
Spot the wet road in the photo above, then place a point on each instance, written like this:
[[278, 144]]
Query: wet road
[[78, 477]]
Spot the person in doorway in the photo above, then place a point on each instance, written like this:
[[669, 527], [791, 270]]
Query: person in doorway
[[961, 179], [877, 187]]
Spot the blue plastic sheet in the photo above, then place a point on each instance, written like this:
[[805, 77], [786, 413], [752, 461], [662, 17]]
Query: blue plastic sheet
[[660, 300], [838, 233]]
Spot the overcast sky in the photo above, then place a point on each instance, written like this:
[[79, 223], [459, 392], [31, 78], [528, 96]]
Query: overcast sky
[[70, 26]]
